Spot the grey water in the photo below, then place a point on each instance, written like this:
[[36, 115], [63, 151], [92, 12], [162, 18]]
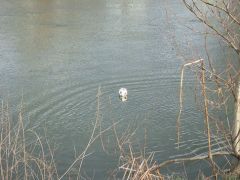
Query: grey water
[[56, 54]]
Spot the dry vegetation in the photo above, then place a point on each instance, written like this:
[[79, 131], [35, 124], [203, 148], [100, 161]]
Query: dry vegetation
[[26, 155], [21, 157], [135, 164], [217, 88]]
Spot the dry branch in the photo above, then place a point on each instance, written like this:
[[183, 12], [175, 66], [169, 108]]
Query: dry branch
[[224, 27], [197, 158], [181, 95]]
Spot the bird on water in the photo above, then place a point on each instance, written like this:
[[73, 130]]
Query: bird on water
[[123, 94]]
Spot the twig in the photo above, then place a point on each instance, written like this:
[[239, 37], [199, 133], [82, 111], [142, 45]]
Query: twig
[[197, 158], [181, 96]]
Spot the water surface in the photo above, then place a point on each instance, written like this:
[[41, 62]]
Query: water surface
[[58, 53]]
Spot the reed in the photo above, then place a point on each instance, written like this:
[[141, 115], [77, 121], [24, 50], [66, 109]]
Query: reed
[[23, 153], [136, 164], [27, 154]]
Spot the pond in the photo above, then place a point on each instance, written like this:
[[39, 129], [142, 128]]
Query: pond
[[56, 54]]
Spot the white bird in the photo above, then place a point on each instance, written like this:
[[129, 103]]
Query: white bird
[[123, 94]]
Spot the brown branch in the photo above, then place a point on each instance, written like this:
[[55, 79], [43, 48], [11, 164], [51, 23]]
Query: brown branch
[[196, 158], [204, 20], [222, 9], [181, 96], [207, 118]]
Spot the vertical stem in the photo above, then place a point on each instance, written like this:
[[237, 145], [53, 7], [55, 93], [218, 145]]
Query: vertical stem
[[181, 97], [206, 116], [180, 106], [236, 126], [1, 140]]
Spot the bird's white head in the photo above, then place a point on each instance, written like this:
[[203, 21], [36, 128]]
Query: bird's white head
[[123, 94]]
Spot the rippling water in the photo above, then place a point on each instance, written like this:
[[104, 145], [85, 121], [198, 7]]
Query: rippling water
[[58, 53]]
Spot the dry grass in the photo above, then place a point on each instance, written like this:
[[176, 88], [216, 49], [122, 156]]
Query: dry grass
[[23, 153], [136, 164], [26, 155]]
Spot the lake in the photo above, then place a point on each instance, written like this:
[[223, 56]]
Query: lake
[[56, 54]]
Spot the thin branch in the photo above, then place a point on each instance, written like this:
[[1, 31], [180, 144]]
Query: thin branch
[[181, 96], [201, 18], [197, 158]]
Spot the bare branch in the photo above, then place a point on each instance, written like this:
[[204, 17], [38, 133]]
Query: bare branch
[[225, 34], [197, 158]]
